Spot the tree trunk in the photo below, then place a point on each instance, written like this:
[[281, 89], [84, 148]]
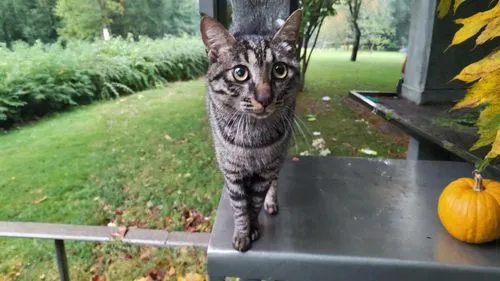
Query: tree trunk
[[356, 45]]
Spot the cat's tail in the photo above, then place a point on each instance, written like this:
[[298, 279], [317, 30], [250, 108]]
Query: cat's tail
[[258, 16]]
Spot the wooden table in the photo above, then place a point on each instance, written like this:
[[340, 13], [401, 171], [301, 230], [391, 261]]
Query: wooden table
[[355, 219]]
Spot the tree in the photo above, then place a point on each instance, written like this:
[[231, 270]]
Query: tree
[[401, 12], [484, 74], [354, 9], [314, 13], [86, 19], [376, 24], [27, 20]]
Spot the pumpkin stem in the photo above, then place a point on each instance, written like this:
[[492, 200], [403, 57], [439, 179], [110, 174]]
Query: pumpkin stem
[[478, 185]]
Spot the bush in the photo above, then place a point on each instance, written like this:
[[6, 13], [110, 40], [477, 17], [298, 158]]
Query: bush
[[40, 79]]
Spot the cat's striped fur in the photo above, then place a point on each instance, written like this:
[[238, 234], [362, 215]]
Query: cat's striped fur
[[252, 85]]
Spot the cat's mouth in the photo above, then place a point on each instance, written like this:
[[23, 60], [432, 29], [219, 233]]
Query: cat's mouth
[[257, 110], [262, 113]]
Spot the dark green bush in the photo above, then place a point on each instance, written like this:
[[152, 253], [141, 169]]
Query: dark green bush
[[42, 79]]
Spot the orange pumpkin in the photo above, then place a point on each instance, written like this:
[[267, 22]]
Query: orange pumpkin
[[469, 209]]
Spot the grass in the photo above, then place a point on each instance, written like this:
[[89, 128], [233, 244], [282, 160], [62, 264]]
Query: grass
[[146, 159]]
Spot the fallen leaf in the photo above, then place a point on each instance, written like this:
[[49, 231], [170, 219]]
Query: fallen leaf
[[324, 152], [368, 151], [36, 202], [153, 274], [146, 254], [42, 277], [171, 271], [98, 278], [147, 278], [120, 233], [167, 137], [191, 277], [194, 221]]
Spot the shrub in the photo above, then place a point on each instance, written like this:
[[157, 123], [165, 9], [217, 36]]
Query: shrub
[[40, 79]]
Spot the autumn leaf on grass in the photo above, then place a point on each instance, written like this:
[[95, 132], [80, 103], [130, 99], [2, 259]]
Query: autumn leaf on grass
[[38, 201], [474, 23], [191, 277], [98, 278], [194, 221]]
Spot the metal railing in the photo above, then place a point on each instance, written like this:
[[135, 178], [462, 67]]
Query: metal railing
[[61, 232]]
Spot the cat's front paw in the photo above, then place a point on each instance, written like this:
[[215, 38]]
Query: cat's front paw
[[271, 208], [241, 243], [255, 234]]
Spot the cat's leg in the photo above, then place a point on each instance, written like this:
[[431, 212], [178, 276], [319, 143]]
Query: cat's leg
[[257, 197], [239, 203], [255, 207], [271, 201]]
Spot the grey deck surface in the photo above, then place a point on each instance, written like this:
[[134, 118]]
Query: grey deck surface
[[418, 120], [355, 219]]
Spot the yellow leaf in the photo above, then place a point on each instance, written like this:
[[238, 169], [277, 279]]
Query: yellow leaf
[[443, 8], [488, 124], [473, 24], [495, 149], [191, 277], [481, 68], [483, 91], [457, 4], [491, 31]]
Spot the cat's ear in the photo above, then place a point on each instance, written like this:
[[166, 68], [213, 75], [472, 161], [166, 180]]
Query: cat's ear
[[289, 31], [215, 37]]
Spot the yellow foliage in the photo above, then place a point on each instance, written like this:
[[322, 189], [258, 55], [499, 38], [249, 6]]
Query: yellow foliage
[[491, 30], [483, 91], [488, 124], [457, 4], [495, 150], [443, 8], [473, 24], [485, 73], [481, 68]]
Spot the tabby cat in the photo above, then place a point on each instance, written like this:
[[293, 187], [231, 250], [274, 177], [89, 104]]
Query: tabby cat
[[253, 80]]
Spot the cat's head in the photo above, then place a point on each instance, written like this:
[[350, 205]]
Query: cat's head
[[254, 74]]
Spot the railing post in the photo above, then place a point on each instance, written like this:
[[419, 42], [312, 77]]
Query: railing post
[[216, 9], [62, 262], [294, 5]]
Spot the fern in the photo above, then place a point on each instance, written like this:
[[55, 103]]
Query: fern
[[41, 79]]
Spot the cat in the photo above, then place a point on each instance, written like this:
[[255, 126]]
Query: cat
[[253, 80]]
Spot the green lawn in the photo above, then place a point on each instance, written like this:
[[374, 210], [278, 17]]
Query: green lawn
[[144, 159]]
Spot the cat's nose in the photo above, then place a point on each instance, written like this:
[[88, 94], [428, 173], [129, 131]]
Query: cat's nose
[[263, 94]]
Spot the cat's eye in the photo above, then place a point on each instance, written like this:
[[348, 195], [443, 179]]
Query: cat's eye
[[240, 73], [280, 70]]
